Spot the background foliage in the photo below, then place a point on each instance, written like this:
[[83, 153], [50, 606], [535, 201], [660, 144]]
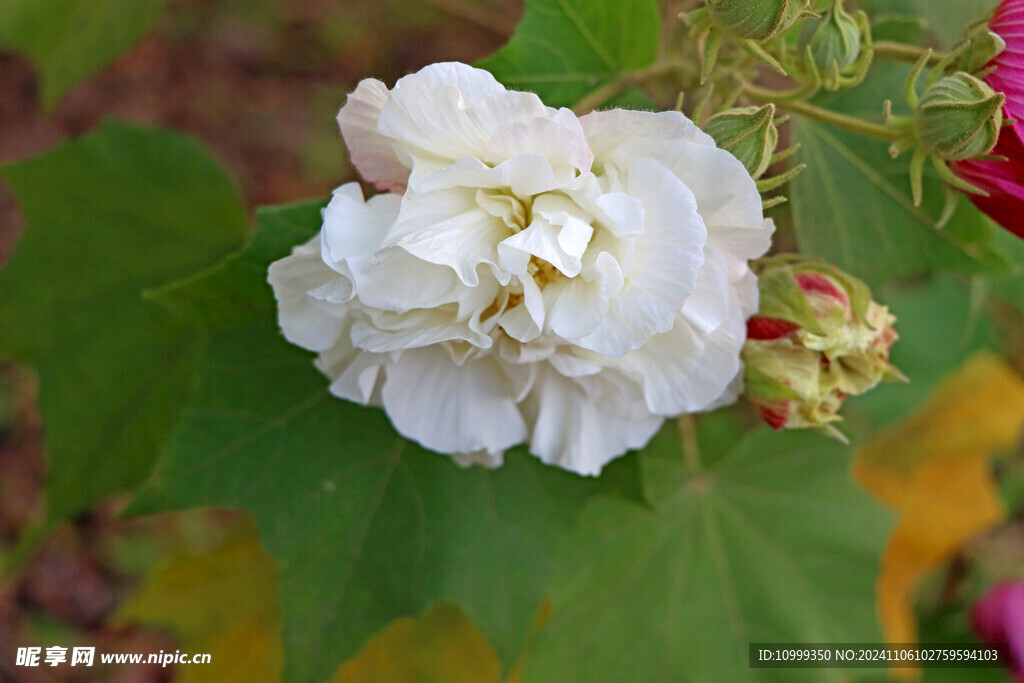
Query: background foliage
[[137, 296]]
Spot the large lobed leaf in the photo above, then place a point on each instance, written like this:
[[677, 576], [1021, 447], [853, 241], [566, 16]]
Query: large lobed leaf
[[767, 541], [109, 215], [853, 207], [564, 49], [365, 526], [69, 40]]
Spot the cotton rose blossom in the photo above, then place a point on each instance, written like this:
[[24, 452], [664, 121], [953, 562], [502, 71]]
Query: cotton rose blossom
[[528, 275], [1004, 180], [998, 618]]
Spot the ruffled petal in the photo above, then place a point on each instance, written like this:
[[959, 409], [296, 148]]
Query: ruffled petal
[[452, 409], [302, 320], [372, 153], [574, 430]]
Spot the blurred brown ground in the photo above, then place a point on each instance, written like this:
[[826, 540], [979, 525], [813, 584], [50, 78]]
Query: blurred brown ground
[[259, 82]]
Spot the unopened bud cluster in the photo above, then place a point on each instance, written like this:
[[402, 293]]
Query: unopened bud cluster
[[818, 338]]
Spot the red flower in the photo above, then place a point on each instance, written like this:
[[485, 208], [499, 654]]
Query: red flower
[[998, 618], [1004, 180]]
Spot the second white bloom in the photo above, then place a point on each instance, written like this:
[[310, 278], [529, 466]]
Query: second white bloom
[[529, 276]]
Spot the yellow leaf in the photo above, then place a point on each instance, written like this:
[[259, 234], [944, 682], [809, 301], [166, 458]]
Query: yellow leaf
[[222, 602], [443, 646], [934, 469]]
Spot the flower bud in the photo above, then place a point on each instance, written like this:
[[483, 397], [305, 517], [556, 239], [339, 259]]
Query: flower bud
[[755, 19], [831, 42], [748, 133], [817, 338], [983, 45], [959, 117]]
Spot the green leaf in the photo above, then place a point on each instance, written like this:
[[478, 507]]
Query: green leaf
[[70, 40], [771, 542], [233, 292], [565, 49], [854, 208], [365, 526], [946, 18], [108, 215]]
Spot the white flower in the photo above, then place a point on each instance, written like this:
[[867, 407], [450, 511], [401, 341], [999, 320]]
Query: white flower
[[530, 275]]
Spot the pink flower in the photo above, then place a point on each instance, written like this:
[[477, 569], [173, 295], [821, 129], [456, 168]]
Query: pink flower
[[998, 618], [1004, 180]]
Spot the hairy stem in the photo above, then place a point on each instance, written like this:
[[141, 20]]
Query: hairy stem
[[602, 94], [902, 52], [854, 125]]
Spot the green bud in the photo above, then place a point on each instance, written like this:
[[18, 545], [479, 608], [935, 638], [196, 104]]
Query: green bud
[[748, 133], [982, 46], [755, 19], [832, 42], [959, 117], [817, 338]]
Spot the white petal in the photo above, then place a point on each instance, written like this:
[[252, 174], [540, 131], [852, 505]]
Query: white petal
[[524, 175], [666, 260], [354, 228], [372, 153], [683, 371], [726, 194], [564, 146], [607, 130], [448, 228], [354, 373], [708, 306], [395, 280], [525, 321], [452, 409], [576, 432], [577, 307], [302, 320], [385, 331]]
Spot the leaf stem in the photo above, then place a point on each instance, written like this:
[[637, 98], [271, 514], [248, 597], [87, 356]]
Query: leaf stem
[[623, 82], [854, 125], [902, 52], [691, 450]]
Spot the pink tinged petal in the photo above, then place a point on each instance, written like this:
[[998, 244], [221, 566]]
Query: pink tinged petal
[[372, 153], [302, 320], [452, 409], [431, 120], [448, 228], [573, 430]]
